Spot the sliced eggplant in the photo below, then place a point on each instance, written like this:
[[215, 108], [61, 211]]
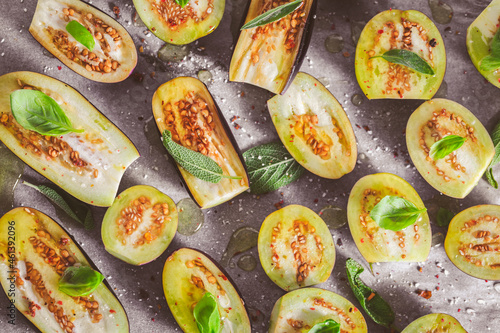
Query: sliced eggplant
[[87, 165], [111, 60], [180, 25], [435, 322], [459, 172], [188, 274], [34, 252], [314, 128], [300, 310], [139, 225], [185, 107], [269, 56]]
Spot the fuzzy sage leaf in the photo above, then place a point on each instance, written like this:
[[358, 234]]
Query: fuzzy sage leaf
[[73, 208], [270, 166], [197, 164], [273, 15], [444, 217], [492, 61], [81, 34], [79, 281], [395, 213], [182, 3], [442, 148], [327, 326], [38, 112], [495, 137], [206, 314], [407, 58], [373, 304]]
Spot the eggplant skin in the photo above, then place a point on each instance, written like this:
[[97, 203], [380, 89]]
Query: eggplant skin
[[49, 15], [19, 229], [271, 60], [104, 152]]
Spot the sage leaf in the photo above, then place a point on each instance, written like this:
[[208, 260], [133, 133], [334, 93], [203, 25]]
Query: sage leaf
[[373, 304], [38, 112], [492, 61], [206, 314], [327, 326], [182, 3], [395, 213], [81, 34], [79, 281], [407, 58], [495, 137], [197, 164], [491, 179], [444, 217], [273, 15], [445, 146], [270, 166], [73, 208]]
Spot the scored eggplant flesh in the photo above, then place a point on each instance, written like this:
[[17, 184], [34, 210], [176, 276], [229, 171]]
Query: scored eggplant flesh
[[269, 56]]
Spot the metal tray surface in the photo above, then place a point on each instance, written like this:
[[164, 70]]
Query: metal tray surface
[[379, 127]]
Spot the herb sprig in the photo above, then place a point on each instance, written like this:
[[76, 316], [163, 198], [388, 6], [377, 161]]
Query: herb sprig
[[327, 326], [182, 3], [80, 281], [495, 137], [492, 61], [81, 34], [206, 314], [407, 58], [442, 148], [273, 15], [395, 213]]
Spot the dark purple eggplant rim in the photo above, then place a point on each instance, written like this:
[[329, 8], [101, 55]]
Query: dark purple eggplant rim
[[91, 264]]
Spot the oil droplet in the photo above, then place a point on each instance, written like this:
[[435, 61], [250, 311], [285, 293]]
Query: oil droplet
[[11, 169], [153, 135], [356, 29], [357, 99], [334, 43], [437, 239], [191, 217], [47, 53], [334, 217], [324, 81], [173, 53], [442, 91], [136, 20], [205, 76], [247, 262], [241, 240], [256, 316], [441, 12]]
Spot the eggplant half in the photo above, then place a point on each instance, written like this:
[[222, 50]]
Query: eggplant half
[[87, 165], [113, 57], [185, 107], [34, 253], [270, 56], [188, 274]]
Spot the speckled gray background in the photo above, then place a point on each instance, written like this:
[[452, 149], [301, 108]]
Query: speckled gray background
[[472, 301]]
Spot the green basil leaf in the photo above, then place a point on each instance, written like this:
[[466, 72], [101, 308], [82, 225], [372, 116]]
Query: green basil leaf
[[71, 207], [38, 112], [79, 281], [197, 164], [444, 217], [81, 34], [373, 304], [328, 326], [270, 166], [182, 3], [492, 61], [445, 146], [273, 15], [395, 213], [495, 137], [407, 58], [206, 314]]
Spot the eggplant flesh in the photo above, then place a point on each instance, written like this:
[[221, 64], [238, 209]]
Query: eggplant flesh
[[185, 107], [34, 252], [270, 56]]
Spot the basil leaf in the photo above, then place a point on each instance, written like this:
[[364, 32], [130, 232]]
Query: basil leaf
[[407, 58], [445, 146], [492, 61], [444, 217], [38, 112], [81, 34], [395, 213], [206, 314], [197, 164], [270, 166], [182, 3], [72, 208], [373, 304], [328, 326], [495, 137], [273, 15], [79, 281]]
